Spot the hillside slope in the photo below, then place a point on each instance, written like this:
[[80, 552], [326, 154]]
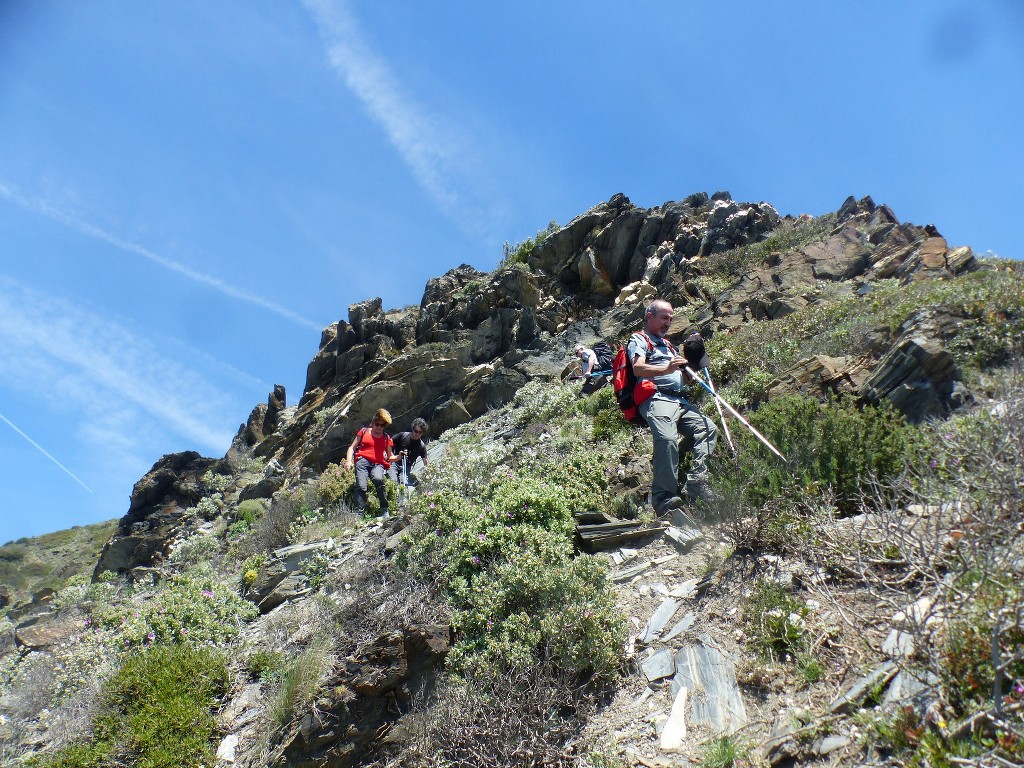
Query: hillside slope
[[858, 604]]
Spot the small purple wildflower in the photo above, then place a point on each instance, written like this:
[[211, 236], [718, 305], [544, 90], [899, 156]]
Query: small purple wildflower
[[481, 537], [151, 637], [207, 593], [476, 560]]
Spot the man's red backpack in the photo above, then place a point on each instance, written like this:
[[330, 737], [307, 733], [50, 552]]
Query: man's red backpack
[[629, 393]]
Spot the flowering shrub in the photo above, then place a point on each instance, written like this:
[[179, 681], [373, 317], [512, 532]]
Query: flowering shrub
[[528, 607], [541, 401], [335, 484], [506, 562], [209, 506], [186, 609], [216, 482], [198, 548]]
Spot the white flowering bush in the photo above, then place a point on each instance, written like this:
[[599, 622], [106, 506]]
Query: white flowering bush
[[201, 610], [540, 401], [215, 482]]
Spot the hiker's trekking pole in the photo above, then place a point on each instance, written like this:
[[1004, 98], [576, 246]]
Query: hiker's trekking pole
[[733, 411], [728, 437]]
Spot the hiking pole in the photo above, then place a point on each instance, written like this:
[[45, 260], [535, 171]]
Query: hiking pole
[[734, 412], [728, 437]]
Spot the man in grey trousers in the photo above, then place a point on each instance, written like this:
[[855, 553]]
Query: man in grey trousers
[[668, 413]]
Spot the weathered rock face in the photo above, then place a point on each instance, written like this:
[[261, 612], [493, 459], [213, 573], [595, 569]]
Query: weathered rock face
[[367, 695], [157, 511], [477, 337], [616, 243], [916, 376], [283, 576]]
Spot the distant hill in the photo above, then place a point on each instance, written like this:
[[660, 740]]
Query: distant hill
[[45, 562]]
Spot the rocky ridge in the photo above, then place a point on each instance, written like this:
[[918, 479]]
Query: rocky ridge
[[474, 341]]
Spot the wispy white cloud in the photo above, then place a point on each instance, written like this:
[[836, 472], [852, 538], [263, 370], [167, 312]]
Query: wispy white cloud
[[117, 387], [439, 154], [44, 208]]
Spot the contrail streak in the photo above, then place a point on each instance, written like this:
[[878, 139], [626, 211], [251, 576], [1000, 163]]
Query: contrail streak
[[45, 209], [42, 450]]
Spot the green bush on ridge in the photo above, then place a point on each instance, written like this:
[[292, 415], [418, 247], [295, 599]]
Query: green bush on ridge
[[834, 445], [157, 711], [504, 558]]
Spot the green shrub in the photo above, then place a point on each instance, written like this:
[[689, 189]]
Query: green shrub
[[202, 611], [608, 419], [775, 621], [527, 607], [833, 445], [520, 252], [157, 711], [335, 484], [252, 510], [572, 472]]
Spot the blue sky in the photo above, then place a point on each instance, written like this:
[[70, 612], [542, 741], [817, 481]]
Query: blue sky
[[191, 190]]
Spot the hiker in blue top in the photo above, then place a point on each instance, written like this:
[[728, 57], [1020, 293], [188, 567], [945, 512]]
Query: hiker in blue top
[[668, 413]]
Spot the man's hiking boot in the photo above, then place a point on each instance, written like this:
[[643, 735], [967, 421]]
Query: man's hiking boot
[[663, 509]]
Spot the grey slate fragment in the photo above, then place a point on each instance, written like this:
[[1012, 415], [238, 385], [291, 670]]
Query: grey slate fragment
[[898, 644], [683, 538], [681, 626], [658, 620], [659, 666], [711, 676], [687, 589], [682, 520], [860, 690], [628, 573], [911, 685], [830, 744]]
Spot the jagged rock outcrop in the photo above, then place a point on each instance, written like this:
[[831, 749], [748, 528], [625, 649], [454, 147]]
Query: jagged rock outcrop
[[283, 577], [477, 337], [158, 511], [616, 243], [367, 694]]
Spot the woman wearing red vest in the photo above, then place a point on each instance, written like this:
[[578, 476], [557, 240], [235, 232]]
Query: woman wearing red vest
[[371, 453]]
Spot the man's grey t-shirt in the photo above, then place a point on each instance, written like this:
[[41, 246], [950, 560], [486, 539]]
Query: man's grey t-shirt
[[670, 385]]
